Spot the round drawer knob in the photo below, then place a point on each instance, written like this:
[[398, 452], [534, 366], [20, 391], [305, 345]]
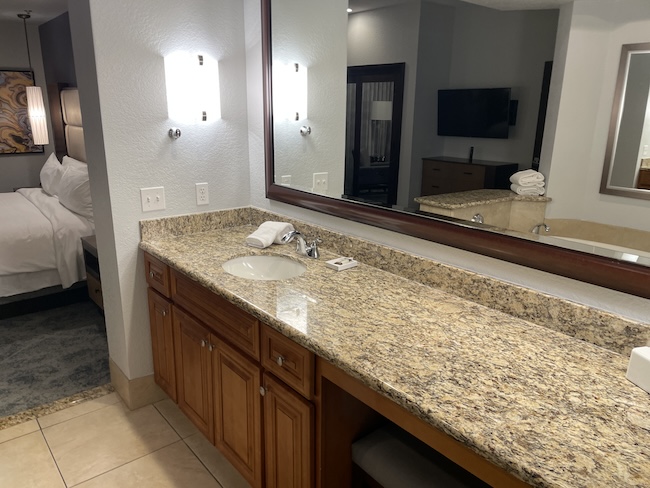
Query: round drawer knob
[[150, 274], [262, 391], [280, 361]]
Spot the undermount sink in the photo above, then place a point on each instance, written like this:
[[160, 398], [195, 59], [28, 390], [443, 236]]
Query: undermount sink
[[264, 267]]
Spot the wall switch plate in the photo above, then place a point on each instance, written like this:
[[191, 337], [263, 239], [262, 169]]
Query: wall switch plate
[[285, 180], [152, 198], [202, 195], [320, 182]]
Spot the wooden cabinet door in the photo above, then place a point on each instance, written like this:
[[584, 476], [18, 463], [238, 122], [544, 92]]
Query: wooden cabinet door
[[288, 433], [162, 342], [193, 371], [238, 416]]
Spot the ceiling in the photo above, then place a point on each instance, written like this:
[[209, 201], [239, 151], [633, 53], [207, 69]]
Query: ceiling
[[42, 10]]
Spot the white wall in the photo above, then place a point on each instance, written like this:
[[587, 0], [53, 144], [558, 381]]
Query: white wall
[[23, 170], [303, 32], [574, 159], [494, 49], [130, 40], [390, 35]]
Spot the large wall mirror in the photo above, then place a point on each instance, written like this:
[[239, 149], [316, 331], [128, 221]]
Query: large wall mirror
[[447, 45]]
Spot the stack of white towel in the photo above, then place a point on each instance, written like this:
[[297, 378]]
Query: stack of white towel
[[527, 182], [268, 233]]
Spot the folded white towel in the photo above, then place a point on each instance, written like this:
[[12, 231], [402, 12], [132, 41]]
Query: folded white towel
[[268, 233], [528, 190], [526, 177]]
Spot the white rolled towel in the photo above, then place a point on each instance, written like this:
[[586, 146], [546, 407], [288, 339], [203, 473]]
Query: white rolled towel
[[528, 190], [527, 177], [268, 233]]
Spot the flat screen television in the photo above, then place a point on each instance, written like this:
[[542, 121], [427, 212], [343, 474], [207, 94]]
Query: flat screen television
[[480, 112]]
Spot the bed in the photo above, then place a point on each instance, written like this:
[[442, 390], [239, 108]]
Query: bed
[[40, 240]]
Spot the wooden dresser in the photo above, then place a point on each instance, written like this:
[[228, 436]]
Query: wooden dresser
[[451, 175], [644, 179]]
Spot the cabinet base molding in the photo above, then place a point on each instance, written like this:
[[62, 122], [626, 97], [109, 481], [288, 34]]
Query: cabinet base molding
[[137, 392]]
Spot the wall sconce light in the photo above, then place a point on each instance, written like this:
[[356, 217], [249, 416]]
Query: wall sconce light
[[35, 105], [290, 91], [192, 83]]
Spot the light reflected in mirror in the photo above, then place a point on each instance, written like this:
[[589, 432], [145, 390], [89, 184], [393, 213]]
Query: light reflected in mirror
[[627, 159], [420, 141]]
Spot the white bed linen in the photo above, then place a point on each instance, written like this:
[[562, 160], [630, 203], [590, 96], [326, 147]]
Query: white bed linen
[[58, 247]]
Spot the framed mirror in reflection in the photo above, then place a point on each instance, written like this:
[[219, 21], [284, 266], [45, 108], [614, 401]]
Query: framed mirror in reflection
[[627, 159], [470, 46]]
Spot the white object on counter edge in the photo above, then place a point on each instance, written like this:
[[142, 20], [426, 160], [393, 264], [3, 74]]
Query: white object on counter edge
[[638, 370]]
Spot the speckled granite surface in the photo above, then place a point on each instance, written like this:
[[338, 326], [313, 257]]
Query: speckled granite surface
[[472, 198], [34, 413], [551, 409], [596, 326]]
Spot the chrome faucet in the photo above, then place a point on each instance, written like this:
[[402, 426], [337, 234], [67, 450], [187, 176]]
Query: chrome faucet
[[310, 250], [535, 230], [478, 218]]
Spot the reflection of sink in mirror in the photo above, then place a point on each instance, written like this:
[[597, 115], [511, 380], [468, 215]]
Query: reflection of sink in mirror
[[264, 267]]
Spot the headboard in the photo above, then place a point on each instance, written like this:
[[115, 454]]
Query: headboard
[[73, 128]]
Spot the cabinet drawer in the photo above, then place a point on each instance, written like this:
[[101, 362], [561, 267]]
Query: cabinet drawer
[[95, 290], [227, 320], [467, 177], [287, 360], [157, 274]]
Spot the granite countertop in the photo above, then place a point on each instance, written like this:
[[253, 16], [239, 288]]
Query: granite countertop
[[471, 198], [551, 409]]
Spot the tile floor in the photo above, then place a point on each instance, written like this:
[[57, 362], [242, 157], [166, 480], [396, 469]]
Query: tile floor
[[101, 443]]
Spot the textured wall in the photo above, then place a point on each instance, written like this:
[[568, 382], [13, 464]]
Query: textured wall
[[574, 159], [130, 41]]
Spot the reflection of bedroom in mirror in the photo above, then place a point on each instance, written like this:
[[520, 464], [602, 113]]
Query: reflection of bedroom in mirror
[[569, 157]]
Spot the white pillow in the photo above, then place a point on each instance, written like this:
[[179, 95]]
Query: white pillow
[[51, 174], [68, 161], [75, 191]]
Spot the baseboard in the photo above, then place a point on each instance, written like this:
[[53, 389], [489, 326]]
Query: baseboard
[[137, 392]]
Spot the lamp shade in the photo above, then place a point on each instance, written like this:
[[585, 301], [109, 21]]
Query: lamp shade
[[36, 113], [381, 110]]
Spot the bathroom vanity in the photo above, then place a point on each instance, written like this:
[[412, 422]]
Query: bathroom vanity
[[282, 376]]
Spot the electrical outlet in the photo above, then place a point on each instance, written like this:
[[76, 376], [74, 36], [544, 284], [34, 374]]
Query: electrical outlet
[[202, 195], [152, 198], [320, 182], [285, 180]]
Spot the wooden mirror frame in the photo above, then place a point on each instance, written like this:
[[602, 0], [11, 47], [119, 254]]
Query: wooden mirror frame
[[598, 270]]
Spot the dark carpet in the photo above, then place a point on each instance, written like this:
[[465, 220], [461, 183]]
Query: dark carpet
[[52, 354]]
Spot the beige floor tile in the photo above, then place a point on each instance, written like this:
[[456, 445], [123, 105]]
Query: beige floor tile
[[77, 410], [26, 462], [18, 430], [218, 465], [173, 466], [92, 444], [177, 419]]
